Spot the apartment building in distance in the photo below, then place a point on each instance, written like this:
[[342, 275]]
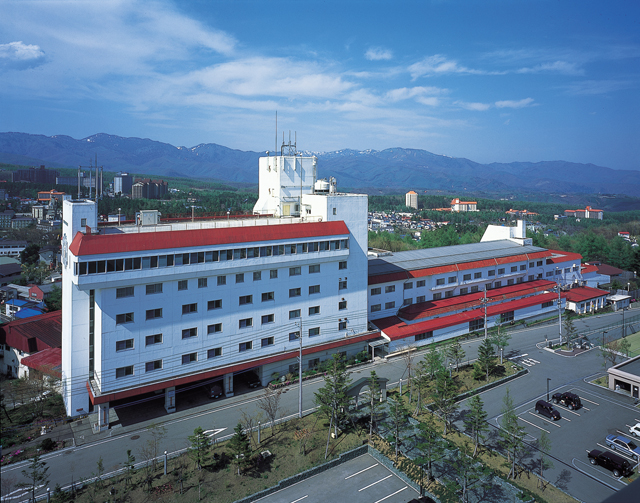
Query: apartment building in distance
[[588, 212], [411, 199], [457, 205]]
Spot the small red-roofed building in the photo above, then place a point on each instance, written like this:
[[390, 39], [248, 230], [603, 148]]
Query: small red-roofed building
[[457, 205], [584, 299]]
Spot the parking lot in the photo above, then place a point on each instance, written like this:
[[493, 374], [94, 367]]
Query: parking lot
[[579, 431], [361, 480]]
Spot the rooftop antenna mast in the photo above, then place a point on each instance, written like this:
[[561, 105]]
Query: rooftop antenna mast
[[290, 147]]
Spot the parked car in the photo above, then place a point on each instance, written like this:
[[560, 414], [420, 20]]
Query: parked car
[[624, 445], [569, 400], [214, 390], [249, 378], [635, 430], [611, 461], [546, 409]]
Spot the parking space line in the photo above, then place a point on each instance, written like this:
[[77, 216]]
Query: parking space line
[[533, 425], [358, 473], [387, 497], [572, 412], [534, 361], [300, 499], [581, 398], [565, 418], [585, 408], [544, 419], [376, 482]]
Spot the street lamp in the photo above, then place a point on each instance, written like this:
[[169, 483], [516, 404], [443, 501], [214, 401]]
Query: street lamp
[[165, 462], [119, 216], [624, 332], [548, 379], [559, 314], [300, 373]]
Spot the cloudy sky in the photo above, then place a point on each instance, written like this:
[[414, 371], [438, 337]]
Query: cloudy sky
[[490, 80]]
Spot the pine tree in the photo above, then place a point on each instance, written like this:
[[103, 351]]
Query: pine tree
[[199, 448], [476, 422], [239, 445], [544, 444], [486, 358], [433, 361], [511, 432], [37, 475], [444, 394], [129, 466], [397, 422], [455, 352], [500, 338], [372, 396], [430, 443]]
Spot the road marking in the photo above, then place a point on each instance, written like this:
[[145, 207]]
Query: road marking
[[387, 497], [534, 361], [358, 473], [300, 499], [545, 419], [535, 426], [565, 418], [572, 412], [521, 356], [585, 408], [582, 398], [377, 482], [211, 433]]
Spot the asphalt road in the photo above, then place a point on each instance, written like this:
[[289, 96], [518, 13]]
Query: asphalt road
[[221, 416]]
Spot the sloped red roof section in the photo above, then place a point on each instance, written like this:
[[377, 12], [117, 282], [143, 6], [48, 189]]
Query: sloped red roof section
[[48, 361], [582, 293], [563, 256], [35, 333], [97, 244]]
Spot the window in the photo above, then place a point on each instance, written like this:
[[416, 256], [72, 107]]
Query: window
[[466, 277], [464, 291], [189, 358], [510, 282], [389, 305], [214, 304], [376, 291], [508, 316], [423, 336], [501, 270], [539, 263], [294, 271], [523, 267], [294, 292], [222, 280], [437, 296], [273, 274], [257, 275], [214, 329], [294, 314], [530, 277], [408, 286], [154, 365], [530, 264], [498, 284], [451, 279], [314, 289], [150, 340], [342, 305], [547, 304], [267, 318], [448, 294], [474, 289], [187, 333], [154, 288], [122, 293], [202, 282], [407, 302], [214, 353], [477, 275], [246, 323], [314, 310], [476, 325], [189, 308], [83, 222], [152, 314], [342, 285], [124, 318], [245, 299], [558, 272], [342, 265], [245, 346], [267, 341], [314, 268], [439, 281], [124, 345], [423, 282], [549, 273], [124, 371], [491, 273], [314, 331], [267, 296], [342, 325], [294, 369], [520, 280], [420, 298], [293, 336], [183, 285], [390, 289], [240, 277]]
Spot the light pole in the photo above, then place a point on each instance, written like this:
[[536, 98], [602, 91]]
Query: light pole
[[119, 216], [603, 351], [559, 314], [300, 373], [624, 332], [548, 379], [165, 462]]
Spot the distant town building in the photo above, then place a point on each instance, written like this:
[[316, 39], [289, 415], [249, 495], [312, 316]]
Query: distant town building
[[122, 183], [11, 248], [85, 181], [588, 212], [458, 206], [46, 196], [145, 188], [411, 199], [521, 213], [35, 175], [5, 218]]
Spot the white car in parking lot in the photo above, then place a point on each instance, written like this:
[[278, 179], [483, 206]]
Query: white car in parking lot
[[635, 430]]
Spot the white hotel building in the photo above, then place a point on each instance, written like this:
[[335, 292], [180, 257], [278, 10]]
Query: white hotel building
[[156, 307]]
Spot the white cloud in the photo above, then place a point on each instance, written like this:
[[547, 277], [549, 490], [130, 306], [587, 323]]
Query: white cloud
[[478, 107], [405, 93], [378, 53], [562, 67], [438, 64], [593, 87], [19, 55], [526, 102]]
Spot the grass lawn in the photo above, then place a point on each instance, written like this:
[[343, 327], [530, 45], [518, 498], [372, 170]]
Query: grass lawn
[[634, 341]]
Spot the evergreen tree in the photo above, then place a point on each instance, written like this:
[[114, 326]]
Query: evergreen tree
[[476, 422], [455, 352], [433, 361], [37, 475], [444, 394], [430, 443], [397, 422], [486, 358], [467, 470], [511, 433], [544, 444], [129, 466], [570, 330], [199, 448], [372, 397], [500, 338], [239, 445]]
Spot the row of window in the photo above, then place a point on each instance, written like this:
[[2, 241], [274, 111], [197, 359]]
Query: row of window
[[161, 261]]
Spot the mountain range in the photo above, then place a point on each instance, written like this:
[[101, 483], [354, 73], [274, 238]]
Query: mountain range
[[393, 168]]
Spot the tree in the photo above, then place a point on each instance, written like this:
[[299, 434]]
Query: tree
[[455, 352], [544, 444], [476, 422], [408, 356], [421, 381], [332, 399], [199, 448], [430, 443], [511, 433], [444, 396], [397, 421], [500, 339], [129, 466], [239, 445], [37, 475], [467, 470], [486, 358], [372, 396], [569, 330], [433, 361], [157, 433], [30, 255], [54, 299], [270, 403], [250, 423]]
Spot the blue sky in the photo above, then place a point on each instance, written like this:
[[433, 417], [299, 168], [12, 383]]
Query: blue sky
[[492, 81]]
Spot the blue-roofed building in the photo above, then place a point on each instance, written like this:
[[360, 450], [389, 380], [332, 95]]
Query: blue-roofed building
[[18, 308]]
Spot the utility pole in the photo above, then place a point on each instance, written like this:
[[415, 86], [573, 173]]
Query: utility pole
[[484, 301], [300, 371], [559, 314]]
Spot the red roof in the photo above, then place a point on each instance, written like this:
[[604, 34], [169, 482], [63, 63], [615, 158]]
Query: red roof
[[48, 361], [589, 268], [35, 333], [97, 244], [582, 293], [563, 256], [608, 270]]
